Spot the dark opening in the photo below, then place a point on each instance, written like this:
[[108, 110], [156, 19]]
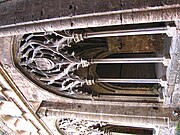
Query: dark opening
[[128, 71], [128, 130]]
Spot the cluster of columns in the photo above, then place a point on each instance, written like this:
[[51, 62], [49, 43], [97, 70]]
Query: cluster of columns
[[165, 61]]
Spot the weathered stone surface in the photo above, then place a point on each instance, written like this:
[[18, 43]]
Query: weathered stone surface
[[71, 14], [143, 43], [82, 14], [53, 9]]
